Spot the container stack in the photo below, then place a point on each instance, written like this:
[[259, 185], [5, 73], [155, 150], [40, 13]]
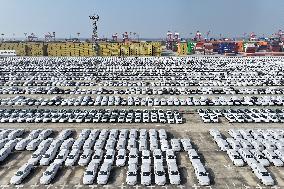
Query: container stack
[[35, 49], [20, 48]]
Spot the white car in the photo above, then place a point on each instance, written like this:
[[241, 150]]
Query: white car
[[260, 157], [186, 144], [160, 177], [67, 144], [121, 158], [90, 173], [133, 156], [85, 157], [21, 174], [72, 157], [173, 173], [131, 178], [262, 174], [48, 156], [175, 143], [121, 144], [61, 156], [104, 173], [97, 156], [153, 144], [235, 157], [145, 174], [164, 145], [158, 156], [109, 156], [89, 143], [45, 133], [273, 158], [22, 144], [162, 134], [170, 156], [49, 174], [78, 144], [146, 157], [4, 153], [201, 174]]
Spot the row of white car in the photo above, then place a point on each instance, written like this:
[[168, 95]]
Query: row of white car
[[144, 101], [66, 151], [153, 90], [256, 148], [238, 71]]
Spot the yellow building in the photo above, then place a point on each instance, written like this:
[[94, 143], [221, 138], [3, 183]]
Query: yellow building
[[182, 48]]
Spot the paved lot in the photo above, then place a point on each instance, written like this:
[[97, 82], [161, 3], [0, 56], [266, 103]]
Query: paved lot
[[223, 173]]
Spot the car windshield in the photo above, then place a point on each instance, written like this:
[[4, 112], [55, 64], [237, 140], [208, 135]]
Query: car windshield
[[89, 173], [202, 174], [120, 157], [48, 173], [19, 173], [145, 157], [103, 173], [158, 157], [171, 157], [109, 157], [96, 157], [71, 157], [46, 155], [160, 173], [275, 157], [264, 173], [146, 173], [132, 156], [174, 173], [132, 173], [60, 157], [35, 155], [195, 157], [237, 157]]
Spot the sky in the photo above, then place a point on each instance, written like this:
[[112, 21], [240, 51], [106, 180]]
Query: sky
[[148, 18]]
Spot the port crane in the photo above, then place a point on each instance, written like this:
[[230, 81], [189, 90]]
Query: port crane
[[49, 36], [32, 37]]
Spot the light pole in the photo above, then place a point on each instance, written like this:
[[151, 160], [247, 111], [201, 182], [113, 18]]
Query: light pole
[[2, 34]]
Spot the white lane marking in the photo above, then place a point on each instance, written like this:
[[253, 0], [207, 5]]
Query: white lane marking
[[19, 186], [275, 187], [49, 186], [78, 186], [227, 186], [107, 186], [93, 186], [34, 185], [122, 186], [259, 187], [64, 185], [195, 186], [151, 186]]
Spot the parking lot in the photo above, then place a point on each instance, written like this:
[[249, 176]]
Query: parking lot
[[222, 172], [183, 96]]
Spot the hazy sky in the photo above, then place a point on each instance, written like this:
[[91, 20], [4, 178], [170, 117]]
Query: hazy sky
[[150, 18]]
